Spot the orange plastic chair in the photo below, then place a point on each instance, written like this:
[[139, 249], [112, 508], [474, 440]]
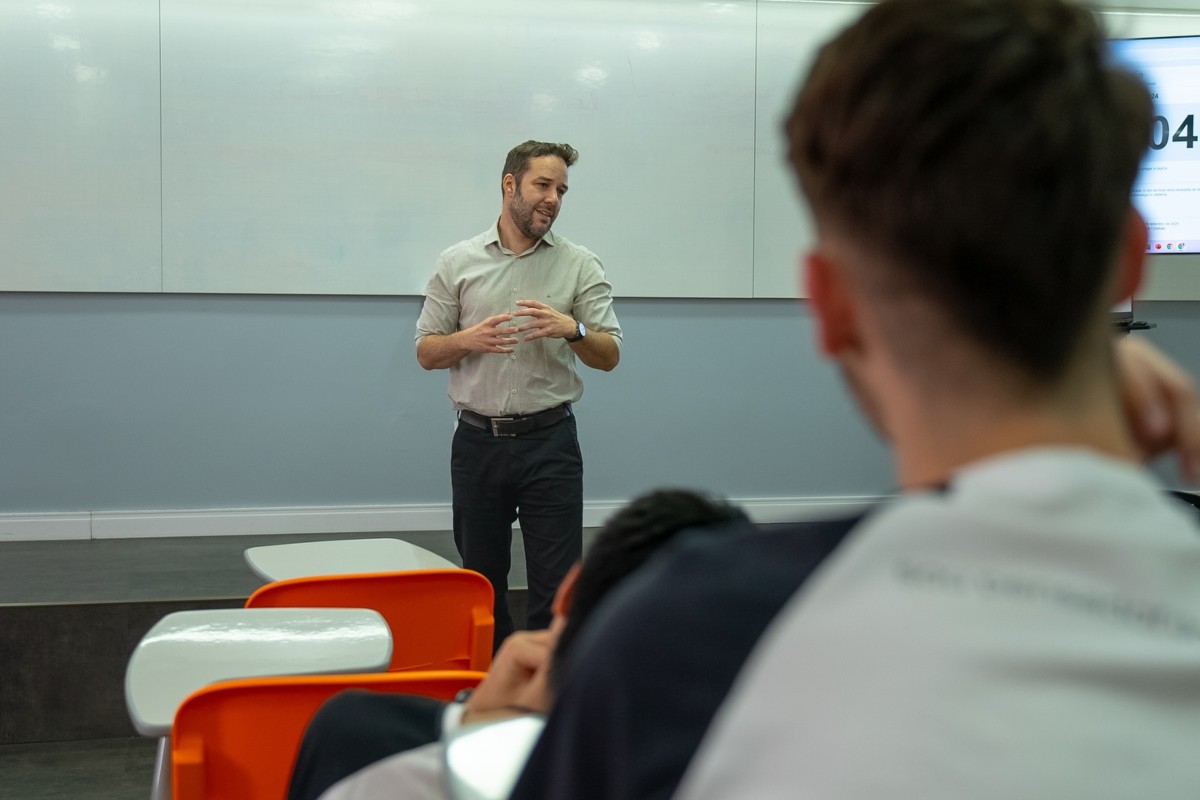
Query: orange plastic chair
[[440, 618], [237, 740]]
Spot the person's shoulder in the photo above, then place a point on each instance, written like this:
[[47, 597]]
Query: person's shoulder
[[785, 546], [734, 578], [471, 245], [563, 245]]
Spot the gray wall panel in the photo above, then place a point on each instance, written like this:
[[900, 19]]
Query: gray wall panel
[[122, 402]]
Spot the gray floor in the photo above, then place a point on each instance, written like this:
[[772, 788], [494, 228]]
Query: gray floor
[[170, 568], [123, 570], [108, 769]]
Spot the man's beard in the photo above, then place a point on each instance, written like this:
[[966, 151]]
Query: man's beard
[[523, 216]]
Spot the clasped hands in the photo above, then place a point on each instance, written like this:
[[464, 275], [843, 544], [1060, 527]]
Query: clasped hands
[[496, 335]]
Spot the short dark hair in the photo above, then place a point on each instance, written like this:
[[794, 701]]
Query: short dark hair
[[986, 150], [517, 161], [628, 539]]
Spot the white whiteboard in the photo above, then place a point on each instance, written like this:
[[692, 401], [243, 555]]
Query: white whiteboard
[[337, 146], [79, 146], [788, 37]]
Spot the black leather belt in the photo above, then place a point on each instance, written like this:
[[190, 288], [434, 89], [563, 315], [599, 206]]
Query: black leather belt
[[516, 424]]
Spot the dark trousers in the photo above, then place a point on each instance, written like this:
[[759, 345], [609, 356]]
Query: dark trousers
[[536, 478]]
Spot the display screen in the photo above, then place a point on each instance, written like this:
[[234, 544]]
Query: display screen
[[1167, 191]]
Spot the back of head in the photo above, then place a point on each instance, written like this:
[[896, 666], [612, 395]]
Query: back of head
[[984, 152], [628, 539]]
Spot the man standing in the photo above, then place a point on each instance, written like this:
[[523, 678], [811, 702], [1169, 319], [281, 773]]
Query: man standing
[[509, 312], [1024, 620]]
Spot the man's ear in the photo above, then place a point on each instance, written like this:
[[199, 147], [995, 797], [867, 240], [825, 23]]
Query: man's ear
[[833, 309], [1131, 257], [508, 184], [565, 595]]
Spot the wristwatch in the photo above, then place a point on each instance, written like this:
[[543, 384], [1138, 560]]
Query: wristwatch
[[582, 333]]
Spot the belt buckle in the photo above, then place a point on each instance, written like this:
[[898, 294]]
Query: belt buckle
[[497, 422]]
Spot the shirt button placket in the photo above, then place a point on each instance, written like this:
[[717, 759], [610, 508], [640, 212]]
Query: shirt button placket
[[514, 355]]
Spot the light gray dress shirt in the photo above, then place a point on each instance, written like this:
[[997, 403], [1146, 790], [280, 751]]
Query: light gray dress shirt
[[1031, 632], [479, 278]]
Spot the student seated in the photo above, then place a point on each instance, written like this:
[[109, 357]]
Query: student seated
[[1024, 620], [357, 728]]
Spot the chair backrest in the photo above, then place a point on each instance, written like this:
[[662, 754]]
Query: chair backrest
[[237, 740], [439, 618]]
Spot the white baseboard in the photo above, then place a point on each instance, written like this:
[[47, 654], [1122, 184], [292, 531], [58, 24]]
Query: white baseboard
[[45, 527], [255, 521], [339, 519]]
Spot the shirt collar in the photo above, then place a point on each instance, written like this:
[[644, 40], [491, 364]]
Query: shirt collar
[[493, 237]]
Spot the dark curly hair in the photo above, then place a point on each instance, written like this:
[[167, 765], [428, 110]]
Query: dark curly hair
[[517, 161], [628, 539]]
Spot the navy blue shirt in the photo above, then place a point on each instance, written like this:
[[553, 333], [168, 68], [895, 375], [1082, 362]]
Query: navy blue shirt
[[657, 659]]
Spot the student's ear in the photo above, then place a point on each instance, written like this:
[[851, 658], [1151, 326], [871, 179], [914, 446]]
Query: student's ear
[[833, 310], [1131, 257], [565, 595]]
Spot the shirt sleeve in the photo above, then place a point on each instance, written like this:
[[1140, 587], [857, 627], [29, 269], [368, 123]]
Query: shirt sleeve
[[452, 717], [593, 300], [441, 309], [417, 774]]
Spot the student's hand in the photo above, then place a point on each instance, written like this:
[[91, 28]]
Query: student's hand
[[1160, 403], [517, 682]]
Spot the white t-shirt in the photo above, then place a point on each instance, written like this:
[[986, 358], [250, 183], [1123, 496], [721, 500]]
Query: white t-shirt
[[1031, 632], [498, 750], [417, 774]]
